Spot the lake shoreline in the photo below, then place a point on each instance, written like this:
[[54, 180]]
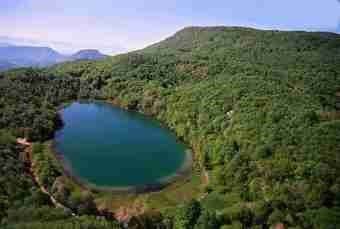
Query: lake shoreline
[[183, 173]]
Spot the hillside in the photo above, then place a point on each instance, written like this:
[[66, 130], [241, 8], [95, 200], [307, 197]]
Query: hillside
[[258, 108]]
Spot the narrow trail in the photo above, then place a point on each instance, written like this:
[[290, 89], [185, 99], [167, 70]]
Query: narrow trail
[[28, 152], [205, 176], [206, 180], [56, 203]]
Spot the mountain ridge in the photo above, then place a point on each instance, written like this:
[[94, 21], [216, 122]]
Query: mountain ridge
[[12, 56]]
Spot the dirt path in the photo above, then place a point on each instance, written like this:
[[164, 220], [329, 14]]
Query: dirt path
[[28, 151], [205, 178], [44, 190]]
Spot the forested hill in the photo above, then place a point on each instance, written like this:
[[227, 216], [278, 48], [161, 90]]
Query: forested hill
[[195, 37], [257, 107]]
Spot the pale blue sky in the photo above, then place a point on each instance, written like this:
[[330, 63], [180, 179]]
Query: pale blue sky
[[115, 25]]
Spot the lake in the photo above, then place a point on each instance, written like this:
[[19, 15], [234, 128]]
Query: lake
[[106, 146]]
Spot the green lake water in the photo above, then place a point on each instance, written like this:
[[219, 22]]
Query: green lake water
[[111, 147]]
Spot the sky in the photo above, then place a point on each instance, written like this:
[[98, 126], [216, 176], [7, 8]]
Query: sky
[[115, 26]]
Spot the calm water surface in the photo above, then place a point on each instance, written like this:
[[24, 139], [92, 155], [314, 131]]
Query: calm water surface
[[108, 146]]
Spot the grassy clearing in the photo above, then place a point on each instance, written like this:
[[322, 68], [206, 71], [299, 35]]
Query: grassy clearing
[[170, 196]]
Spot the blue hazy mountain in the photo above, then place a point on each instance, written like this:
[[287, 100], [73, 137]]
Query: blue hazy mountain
[[12, 56], [87, 54], [5, 65], [25, 56], [4, 44]]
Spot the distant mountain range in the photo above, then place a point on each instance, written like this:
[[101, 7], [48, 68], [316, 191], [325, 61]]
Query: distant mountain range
[[87, 54], [13, 56]]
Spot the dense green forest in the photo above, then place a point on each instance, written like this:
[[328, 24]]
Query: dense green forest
[[258, 108]]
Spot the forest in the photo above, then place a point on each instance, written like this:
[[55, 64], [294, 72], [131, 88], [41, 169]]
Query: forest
[[258, 108]]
